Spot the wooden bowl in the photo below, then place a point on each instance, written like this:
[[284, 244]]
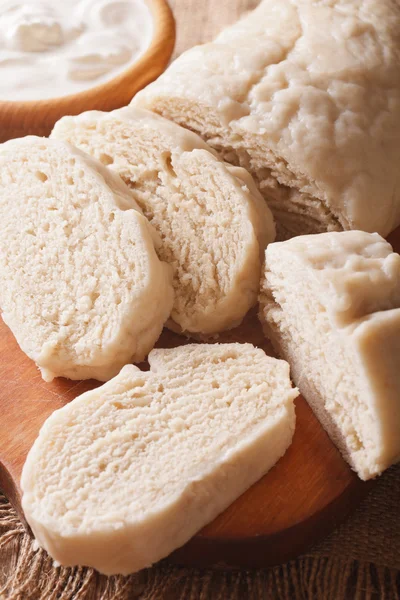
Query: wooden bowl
[[37, 117]]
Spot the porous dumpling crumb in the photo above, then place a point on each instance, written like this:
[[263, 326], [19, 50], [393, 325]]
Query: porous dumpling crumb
[[81, 286], [124, 474], [212, 220], [305, 94], [331, 305]]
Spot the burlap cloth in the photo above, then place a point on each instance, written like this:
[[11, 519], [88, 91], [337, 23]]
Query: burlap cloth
[[361, 560]]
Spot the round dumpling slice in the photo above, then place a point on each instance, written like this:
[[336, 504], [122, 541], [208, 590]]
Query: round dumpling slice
[[81, 285], [213, 222]]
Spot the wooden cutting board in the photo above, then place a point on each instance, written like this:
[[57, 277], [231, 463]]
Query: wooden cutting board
[[308, 493]]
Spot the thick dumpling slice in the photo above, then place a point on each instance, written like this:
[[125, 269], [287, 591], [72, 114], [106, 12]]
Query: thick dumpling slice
[[81, 286], [126, 473], [212, 220]]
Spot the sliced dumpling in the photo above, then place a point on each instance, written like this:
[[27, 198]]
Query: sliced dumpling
[[212, 220], [305, 94], [81, 286], [331, 305], [126, 473]]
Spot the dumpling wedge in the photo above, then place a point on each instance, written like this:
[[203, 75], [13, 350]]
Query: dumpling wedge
[[330, 303]]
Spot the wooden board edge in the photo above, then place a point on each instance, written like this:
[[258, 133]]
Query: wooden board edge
[[275, 549]]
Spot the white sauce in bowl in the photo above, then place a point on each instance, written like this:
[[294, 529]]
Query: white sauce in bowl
[[53, 48]]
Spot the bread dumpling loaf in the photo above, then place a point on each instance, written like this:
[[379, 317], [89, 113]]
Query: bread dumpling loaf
[[306, 96], [212, 220], [81, 286], [331, 305], [126, 473]]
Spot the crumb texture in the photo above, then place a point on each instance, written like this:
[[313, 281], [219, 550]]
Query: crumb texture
[[331, 305], [173, 446], [306, 95], [213, 223], [80, 281]]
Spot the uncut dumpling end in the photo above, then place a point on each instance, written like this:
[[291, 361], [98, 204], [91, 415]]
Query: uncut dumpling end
[[331, 305]]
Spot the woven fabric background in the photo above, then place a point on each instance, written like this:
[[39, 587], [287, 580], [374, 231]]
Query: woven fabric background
[[359, 561]]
